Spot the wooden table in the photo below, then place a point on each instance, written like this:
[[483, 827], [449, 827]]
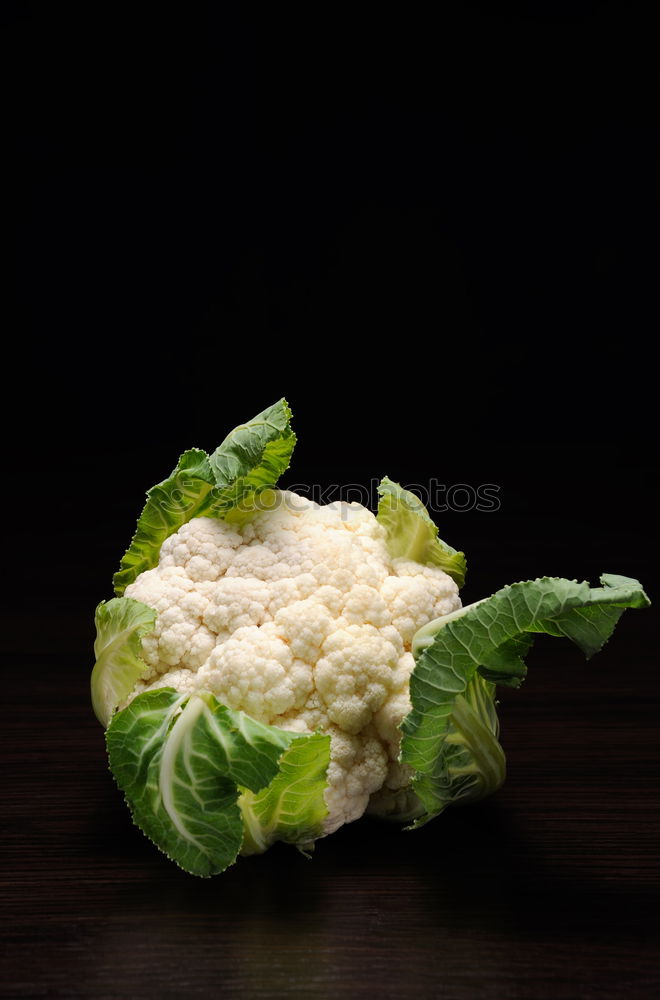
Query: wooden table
[[548, 889]]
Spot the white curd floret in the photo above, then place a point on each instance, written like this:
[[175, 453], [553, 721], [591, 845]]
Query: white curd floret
[[303, 620]]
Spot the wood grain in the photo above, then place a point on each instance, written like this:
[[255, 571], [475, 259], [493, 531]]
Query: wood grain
[[548, 889]]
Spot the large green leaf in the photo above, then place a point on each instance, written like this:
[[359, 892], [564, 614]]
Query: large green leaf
[[411, 534], [225, 485], [185, 494], [491, 637], [120, 625], [292, 807], [183, 762], [251, 459], [472, 761]]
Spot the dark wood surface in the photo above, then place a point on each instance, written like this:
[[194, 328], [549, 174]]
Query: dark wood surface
[[548, 889], [454, 226]]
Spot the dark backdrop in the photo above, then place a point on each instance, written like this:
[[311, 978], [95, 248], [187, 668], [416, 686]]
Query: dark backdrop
[[437, 237]]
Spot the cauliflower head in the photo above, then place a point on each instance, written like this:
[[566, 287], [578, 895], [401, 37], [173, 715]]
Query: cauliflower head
[[302, 619], [270, 669]]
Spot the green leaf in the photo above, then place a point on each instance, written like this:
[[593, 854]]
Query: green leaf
[[473, 762], [470, 765], [250, 460], [120, 625], [491, 637], [183, 495], [292, 807], [226, 485], [411, 534], [183, 762]]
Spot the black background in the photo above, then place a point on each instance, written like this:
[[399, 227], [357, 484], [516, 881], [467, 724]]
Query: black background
[[437, 237]]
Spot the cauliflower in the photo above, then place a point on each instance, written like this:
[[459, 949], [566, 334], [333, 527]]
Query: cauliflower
[[304, 621], [270, 669]]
